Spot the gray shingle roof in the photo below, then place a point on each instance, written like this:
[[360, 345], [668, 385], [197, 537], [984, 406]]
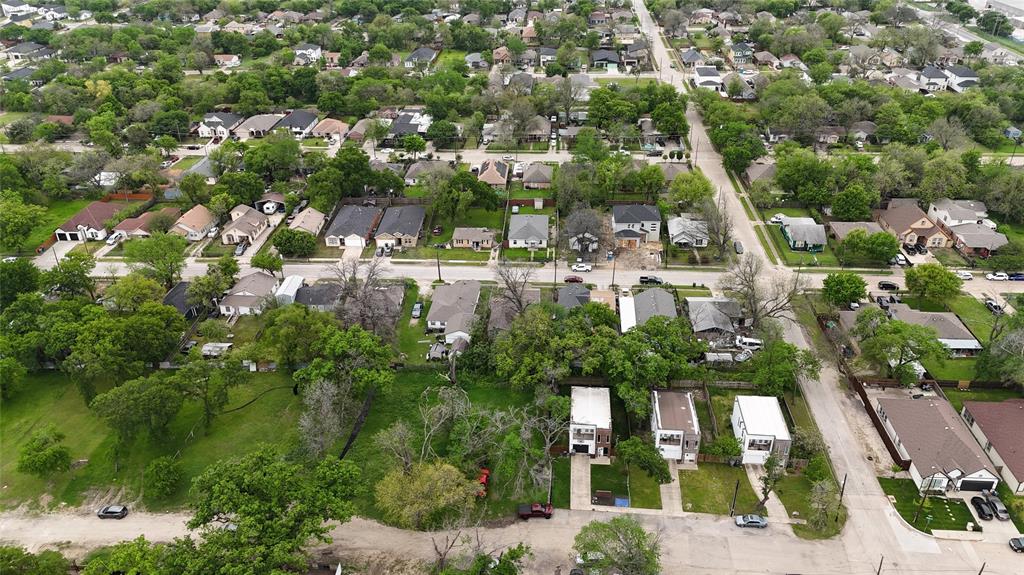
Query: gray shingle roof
[[404, 220], [635, 214], [573, 295], [528, 227], [353, 220], [652, 302]]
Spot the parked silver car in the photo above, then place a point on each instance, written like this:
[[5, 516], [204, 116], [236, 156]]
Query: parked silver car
[[751, 521]]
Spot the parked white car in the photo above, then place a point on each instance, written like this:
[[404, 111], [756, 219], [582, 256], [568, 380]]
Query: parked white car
[[517, 170], [997, 277], [966, 276], [776, 219], [116, 237], [213, 232], [582, 268]]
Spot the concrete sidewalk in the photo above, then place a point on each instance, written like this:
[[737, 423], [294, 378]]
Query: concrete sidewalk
[[671, 496]]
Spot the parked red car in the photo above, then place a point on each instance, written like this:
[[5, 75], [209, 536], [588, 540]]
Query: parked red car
[[573, 280]]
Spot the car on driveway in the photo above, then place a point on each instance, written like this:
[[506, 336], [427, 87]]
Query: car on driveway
[[113, 512], [582, 267], [573, 280], [997, 277], [776, 219], [966, 276], [751, 521], [888, 285], [899, 260], [1017, 544], [993, 306], [982, 508], [998, 509], [240, 248], [417, 310]]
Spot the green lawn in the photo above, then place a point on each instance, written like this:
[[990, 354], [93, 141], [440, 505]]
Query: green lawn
[[937, 513], [1006, 42], [10, 117], [518, 192], [627, 82], [52, 398], [765, 244], [217, 248], [643, 491], [721, 402], [969, 309], [960, 369], [449, 57], [710, 488], [560, 488], [474, 218], [186, 162], [524, 255], [1014, 505], [957, 397], [949, 257], [801, 258], [58, 212], [413, 342], [794, 492], [541, 146]]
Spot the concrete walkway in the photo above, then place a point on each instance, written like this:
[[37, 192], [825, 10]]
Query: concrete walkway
[[671, 497], [579, 482], [776, 511]]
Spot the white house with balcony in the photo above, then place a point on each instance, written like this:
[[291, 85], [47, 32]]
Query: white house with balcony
[[674, 425], [590, 421], [758, 424]]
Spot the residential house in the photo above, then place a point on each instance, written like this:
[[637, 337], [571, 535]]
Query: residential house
[[839, 230], [400, 226], [947, 213], [715, 318], [997, 427], [249, 295], [453, 309], [590, 421], [803, 234], [692, 57], [423, 167], [961, 78], [528, 231], [503, 311], [332, 59], [976, 239], [195, 224], [932, 79], [421, 56], [28, 51], [90, 223], [740, 53], [306, 53], [765, 58], [475, 61], [177, 297], [688, 231], [359, 130], [287, 290], [635, 224], [352, 226], [792, 61], [862, 131], [330, 129], [501, 55], [636, 53], [702, 16], [16, 8], [950, 329], [321, 296], [943, 455], [225, 61], [650, 303], [758, 424], [218, 125], [473, 238], [573, 295], [204, 168], [672, 170], [407, 122], [299, 123], [830, 135], [139, 227], [537, 176], [309, 220], [910, 224], [246, 225], [584, 241], [257, 126], [605, 59], [26, 74], [597, 18], [494, 173], [738, 88], [270, 203], [674, 425], [707, 77]]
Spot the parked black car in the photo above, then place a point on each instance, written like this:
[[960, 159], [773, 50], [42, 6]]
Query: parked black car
[[113, 512], [982, 507], [1016, 277], [888, 285], [651, 280]]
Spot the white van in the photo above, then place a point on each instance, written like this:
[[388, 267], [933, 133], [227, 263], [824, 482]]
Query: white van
[[748, 343]]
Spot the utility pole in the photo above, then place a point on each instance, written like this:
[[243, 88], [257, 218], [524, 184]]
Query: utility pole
[[982, 570], [924, 497], [841, 491], [554, 296], [437, 258], [614, 260], [879, 572], [735, 493]]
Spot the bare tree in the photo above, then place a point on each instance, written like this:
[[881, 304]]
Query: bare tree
[[586, 231], [719, 225], [328, 408], [397, 440], [364, 298], [762, 298], [438, 414], [513, 285], [568, 96]]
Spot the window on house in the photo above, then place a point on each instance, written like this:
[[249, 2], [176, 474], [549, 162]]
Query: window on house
[[759, 445]]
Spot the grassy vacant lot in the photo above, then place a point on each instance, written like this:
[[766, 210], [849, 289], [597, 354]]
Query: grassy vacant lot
[[401, 404], [957, 397], [1014, 504], [960, 369], [944, 514], [721, 402], [186, 162], [643, 491], [560, 488], [516, 191], [57, 213], [413, 343], [949, 257], [793, 491], [710, 488], [51, 398], [627, 82]]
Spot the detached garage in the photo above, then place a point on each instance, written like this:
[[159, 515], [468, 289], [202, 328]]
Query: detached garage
[[943, 455]]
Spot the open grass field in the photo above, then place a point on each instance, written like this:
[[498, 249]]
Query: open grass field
[[56, 214], [710, 488], [51, 398], [721, 402], [959, 369], [794, 491], [643, 491], [937, 513]]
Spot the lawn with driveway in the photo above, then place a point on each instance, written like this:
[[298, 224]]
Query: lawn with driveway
[[938, 512], [710, 488], [643, 492]]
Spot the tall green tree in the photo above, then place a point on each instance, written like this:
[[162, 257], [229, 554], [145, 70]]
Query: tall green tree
[[131, 291], [72, 276], [933, 282], [619, 545], [290, 333], [44, 454], [424, 497], [210, 382], [841, 288], [144, 404], [895, 345], [642, 453], [17, 220], [161, 257], [18, 276], [779, 366]]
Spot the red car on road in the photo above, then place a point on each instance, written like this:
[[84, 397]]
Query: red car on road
[[573, 280]]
